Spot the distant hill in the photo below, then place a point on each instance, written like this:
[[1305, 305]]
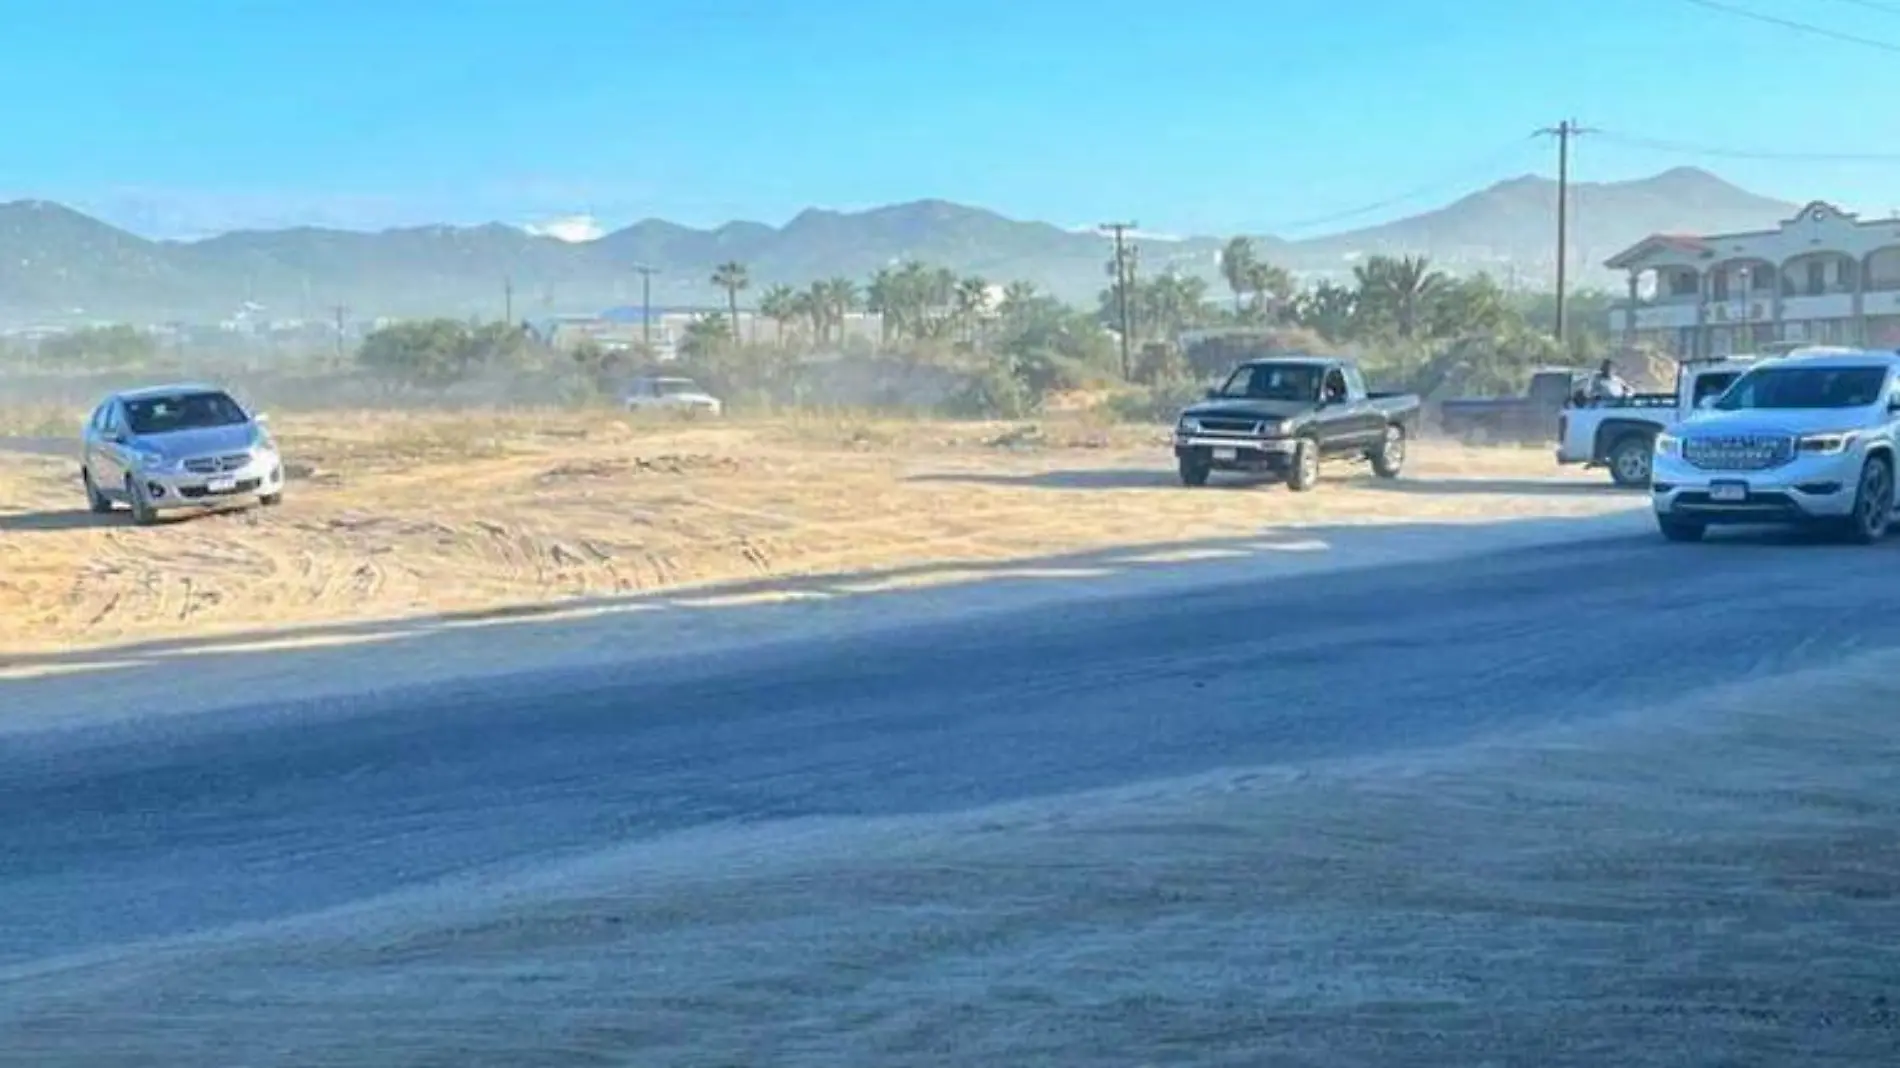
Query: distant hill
[[56, 263]]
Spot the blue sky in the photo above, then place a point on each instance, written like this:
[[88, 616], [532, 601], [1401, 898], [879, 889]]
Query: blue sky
[[1187, 116]]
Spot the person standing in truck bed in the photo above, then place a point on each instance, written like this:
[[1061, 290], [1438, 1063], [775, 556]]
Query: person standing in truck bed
[[1607, 384]]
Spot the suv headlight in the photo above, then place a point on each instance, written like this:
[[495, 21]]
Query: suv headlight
[[1668, 445], [1827, 444], [1188, 425]]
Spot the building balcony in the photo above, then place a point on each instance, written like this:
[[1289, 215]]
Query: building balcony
[[1881, 302], [1663, 313], [1826, 306]]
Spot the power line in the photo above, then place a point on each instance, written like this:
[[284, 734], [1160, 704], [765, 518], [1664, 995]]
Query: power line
[[1691, 149], [1463, 174], [1872, 5], [1799, 27]]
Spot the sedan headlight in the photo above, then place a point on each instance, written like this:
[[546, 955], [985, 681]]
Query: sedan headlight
[[145, 460], [1827, 444]]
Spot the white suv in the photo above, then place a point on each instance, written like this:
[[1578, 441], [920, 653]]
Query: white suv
[[1804, 439]]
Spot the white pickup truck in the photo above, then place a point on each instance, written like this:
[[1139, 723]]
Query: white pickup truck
[[1621, 434]]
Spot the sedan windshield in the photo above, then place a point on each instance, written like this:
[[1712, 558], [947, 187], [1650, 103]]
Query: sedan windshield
[[1274, 381], [1804, 387], [182, 411]]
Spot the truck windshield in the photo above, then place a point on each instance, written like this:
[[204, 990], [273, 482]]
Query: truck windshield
[[1275, 381], [182, 411], [1804, 387]]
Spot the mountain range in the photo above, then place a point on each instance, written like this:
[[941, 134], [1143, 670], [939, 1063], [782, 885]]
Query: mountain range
[[59, 265]]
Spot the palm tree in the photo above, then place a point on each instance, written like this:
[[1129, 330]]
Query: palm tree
[[779, 304], [1397, 286], [1237, 265], [705, 334], [840, 296], [731, 276], [973, 304], [1329, 310], [1271, 287]]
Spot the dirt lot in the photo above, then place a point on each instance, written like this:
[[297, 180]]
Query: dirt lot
[[392, 515]]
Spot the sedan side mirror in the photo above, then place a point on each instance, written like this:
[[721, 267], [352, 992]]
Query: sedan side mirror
[[261, 417], [1893, 403]]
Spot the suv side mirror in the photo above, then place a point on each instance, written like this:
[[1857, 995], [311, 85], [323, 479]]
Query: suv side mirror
[[1893, 403], [1210, 394]]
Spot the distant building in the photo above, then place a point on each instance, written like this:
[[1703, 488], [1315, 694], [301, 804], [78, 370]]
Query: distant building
[[1822, 277]]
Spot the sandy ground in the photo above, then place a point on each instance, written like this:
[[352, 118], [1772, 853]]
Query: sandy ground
[[1713, 882], [401, 515]]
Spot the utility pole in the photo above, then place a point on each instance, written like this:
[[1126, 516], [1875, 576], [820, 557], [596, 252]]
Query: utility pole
[[646, 307], [340, 310], [1119, 229], [508, 300], [1563, 132]]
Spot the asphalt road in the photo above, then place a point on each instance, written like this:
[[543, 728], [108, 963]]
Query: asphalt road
[[114, 837]]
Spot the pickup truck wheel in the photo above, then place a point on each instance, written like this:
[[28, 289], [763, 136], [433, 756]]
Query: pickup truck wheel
[[1873, 503], [1303, 475], [1630, 460], [1389, 458], [1680, 529], [1195, 472]]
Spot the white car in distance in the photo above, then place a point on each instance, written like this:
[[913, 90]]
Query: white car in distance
[[670, 394], [1807, 439]]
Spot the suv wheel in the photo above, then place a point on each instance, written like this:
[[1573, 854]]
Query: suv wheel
[[1873, 502], [1194, 472]]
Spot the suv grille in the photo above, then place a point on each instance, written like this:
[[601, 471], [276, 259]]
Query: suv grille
[[1738, 452], [211, 465]]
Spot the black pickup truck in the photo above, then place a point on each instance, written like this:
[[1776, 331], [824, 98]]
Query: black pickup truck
[[1284, 415]]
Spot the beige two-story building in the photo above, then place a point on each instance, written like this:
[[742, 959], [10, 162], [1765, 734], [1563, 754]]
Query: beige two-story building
[[1822, 277]]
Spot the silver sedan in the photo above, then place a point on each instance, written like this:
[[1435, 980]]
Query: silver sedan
[[178, 446]]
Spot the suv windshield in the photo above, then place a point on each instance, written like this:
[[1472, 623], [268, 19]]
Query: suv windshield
[[182, 411], [1804, 387], [671, 387], [1275, 381]]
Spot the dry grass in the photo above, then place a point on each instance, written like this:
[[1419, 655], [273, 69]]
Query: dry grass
[[391, 515]]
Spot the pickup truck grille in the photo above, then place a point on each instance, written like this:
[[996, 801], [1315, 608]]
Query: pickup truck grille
[[211, 465], [1739, 452], [1231, 426]]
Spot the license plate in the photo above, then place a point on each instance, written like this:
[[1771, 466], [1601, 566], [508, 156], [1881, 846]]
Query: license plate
[[1225, 454], [220, 485], [1728, 492]]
